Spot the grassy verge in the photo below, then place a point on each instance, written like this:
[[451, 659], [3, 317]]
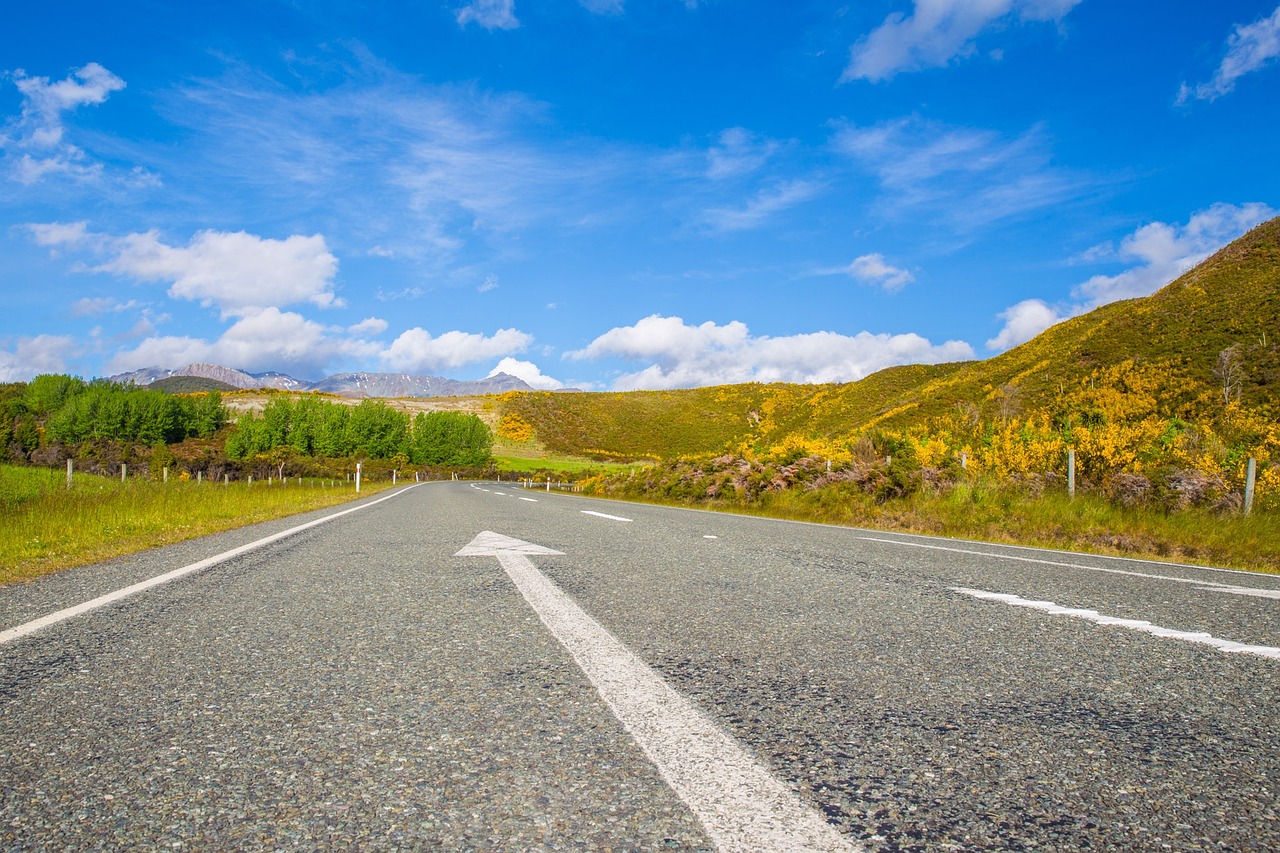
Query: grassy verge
[[44, 527], [530, 458], [1087, 523]]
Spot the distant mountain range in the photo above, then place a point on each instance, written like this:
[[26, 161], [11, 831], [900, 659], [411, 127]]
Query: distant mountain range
[[346, 384]]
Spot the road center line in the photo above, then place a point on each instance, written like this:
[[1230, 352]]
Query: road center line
[[111, 597], [603, 515], [741, 805], [1133, 624], [1207, 586]]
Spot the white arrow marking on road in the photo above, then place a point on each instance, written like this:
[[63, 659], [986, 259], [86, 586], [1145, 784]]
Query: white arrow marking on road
[[741, 805]]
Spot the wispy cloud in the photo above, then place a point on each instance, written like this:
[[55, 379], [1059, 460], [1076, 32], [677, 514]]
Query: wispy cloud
[[762, 207], [1250, 48], [490, 14], [685, 356], [35, 144], [938, 32], [1159, 253], [972, 176]]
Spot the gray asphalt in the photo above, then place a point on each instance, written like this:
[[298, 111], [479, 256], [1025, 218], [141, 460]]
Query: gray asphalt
[[358, 686]]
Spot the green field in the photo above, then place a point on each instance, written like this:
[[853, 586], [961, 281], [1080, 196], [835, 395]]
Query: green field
[[45, 527]]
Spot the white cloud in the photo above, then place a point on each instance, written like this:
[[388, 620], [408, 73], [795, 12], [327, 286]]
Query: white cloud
[[738, 152], [938, 31], [96, 306], [1023, 322], [872, 269], [972, 175], [34, 143], [709, 354], [417, 350], [268, 339], [372, 326], [1162, 252], [489, 284], [527, 371], [1249, 48], [761, 208], [32, 356], [240, 273], [490, 14]]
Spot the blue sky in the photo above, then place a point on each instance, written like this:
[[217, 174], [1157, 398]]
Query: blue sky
[[611, 194]]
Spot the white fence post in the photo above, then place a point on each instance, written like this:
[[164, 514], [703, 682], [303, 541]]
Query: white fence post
[[1071, 473], [357, 478], [69, 465]]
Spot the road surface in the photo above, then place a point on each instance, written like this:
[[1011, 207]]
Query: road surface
[[477, 667]]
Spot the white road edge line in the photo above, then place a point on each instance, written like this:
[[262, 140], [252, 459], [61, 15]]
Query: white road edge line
[[603, 515], [1230, 646], [741, 805], [111, 597], [1203, 585]]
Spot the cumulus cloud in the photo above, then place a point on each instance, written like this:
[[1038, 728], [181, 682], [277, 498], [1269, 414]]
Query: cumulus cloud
[[416, 349], [372, 326], [266, 339], [35, 144], [938, 31], [490, 14], [32, 356], [1163, 251], [1159, 252], [527, 371], [1250, 48], [872, 269], [239, 273], [1022, 322], [686, 356]]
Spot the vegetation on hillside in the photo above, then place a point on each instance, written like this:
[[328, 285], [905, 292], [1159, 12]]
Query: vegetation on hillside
[[1163, 400], [104, 426]]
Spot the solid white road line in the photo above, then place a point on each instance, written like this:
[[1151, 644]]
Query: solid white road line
[[1203, 585], [603, 515], [741, 805], [103, 600], [1132, 624]]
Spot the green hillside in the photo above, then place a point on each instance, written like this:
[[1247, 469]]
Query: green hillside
[[1169, 344], [190, 385]]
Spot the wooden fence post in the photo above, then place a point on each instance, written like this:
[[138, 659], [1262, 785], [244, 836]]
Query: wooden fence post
[[1250, 480], [69, 466], [1071, 473]]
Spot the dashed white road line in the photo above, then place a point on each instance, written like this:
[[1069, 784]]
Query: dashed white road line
[[741, 805], [530, 500], [111, 597], [1142, 625], [603, 515], [1203, 585]]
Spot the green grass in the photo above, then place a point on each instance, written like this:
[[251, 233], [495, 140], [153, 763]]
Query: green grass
[[44, 527], [990, 513]]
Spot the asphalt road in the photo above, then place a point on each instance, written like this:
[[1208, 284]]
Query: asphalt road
[[360, 685]]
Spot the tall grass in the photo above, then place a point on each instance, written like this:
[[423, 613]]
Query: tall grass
[[45, 527], [990, 512]]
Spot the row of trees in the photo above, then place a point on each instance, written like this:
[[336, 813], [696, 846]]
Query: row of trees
[[58, 409], [313, 427]]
